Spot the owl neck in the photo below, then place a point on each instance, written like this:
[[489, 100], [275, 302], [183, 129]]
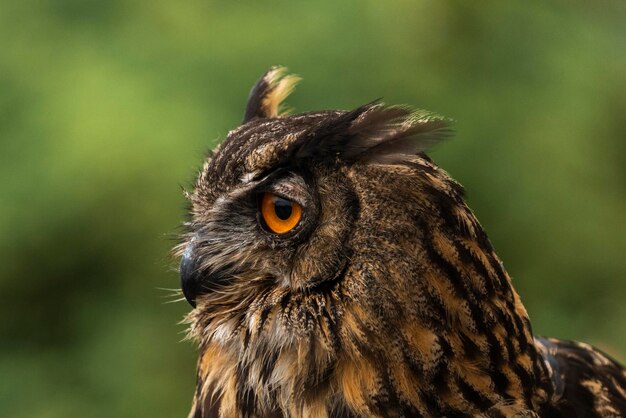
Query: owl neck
[[487, 353], [438, 309]]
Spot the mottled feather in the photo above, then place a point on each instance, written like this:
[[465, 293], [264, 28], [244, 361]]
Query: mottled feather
[[387, 298]]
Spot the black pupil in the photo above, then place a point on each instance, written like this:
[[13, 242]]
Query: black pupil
[[283, 208]]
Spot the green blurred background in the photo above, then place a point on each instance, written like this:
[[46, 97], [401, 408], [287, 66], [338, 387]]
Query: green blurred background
[[106, 109]]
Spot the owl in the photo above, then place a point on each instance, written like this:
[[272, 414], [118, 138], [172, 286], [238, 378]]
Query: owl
[[335, 270]]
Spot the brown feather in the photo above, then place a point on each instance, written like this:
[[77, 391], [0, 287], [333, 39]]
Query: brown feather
[[386, 299]]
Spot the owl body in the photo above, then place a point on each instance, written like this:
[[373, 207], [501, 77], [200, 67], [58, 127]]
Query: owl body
[[336, 271]]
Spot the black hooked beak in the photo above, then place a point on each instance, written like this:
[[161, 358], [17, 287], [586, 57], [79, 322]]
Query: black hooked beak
[[190, 274], [196, 279]]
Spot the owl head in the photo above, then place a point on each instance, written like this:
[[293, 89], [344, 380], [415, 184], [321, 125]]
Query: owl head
[[326, 255]]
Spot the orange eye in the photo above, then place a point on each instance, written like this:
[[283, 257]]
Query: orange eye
[[280, 215]]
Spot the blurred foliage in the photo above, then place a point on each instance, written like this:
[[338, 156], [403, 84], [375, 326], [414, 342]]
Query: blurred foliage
[[106, 108]]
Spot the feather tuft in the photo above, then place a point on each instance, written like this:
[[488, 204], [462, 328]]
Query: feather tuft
[[268, 94]]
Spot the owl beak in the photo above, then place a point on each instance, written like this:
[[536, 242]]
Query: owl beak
[[190, 274]]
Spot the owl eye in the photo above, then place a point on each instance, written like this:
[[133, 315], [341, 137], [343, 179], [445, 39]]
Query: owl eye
[[279, 214]]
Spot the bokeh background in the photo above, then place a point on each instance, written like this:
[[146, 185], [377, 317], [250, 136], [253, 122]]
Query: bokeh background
[[106, 109]]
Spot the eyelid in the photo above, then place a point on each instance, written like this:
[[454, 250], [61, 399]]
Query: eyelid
[[282, 195], [284, 188]]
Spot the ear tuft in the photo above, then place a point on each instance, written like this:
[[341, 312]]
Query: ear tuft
[[268, 94], [385, 133], [372, 133]]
